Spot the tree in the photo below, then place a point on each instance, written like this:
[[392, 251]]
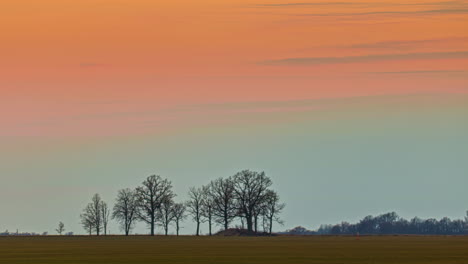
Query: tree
[[368, 225], [61, 228], [124, 210], [150, 196], [96, 213], [165, 214], [194, 206], [271, 209], [178, 212], [250, 189], [299, 230], [208, 207], [105, 213], [466, 222], [223, 199], [87, 219], [91, 218]]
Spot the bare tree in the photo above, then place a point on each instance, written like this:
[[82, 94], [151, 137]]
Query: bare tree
[[87, 219], [223, 199], [61, 228], [178, 212], [165, 214], [105, 214], [124, 210], [250, 189], [150, 195], [195, 205], [92, 215], [265, 223], [271, 210], [96, 213], [208, 206]]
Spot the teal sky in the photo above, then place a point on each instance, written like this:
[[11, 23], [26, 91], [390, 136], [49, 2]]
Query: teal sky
[[330, 160]]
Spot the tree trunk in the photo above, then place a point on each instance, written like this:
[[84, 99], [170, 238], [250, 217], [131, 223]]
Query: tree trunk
[[271, 224], [127, 229], [152, 225], [177, 228], [198, 228], [249, 223], [209, 224], [256, 223]]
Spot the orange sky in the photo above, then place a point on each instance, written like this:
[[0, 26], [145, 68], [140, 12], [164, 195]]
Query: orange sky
[[333, 99], [63, 58]]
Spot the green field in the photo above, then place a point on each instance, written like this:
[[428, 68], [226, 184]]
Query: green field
[[316, 249]]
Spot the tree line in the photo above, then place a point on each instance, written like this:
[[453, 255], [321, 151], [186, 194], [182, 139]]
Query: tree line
[[245, 197], [391, 223]]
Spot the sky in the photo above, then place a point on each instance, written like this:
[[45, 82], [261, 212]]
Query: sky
[[351, 107]]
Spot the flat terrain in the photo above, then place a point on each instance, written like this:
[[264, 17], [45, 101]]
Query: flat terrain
[[288, 250]]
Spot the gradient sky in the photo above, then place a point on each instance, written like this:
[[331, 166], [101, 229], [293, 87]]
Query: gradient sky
[[353, 108]]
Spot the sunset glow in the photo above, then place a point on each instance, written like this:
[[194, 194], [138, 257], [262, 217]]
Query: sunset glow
[[343, 94], [131, 62]]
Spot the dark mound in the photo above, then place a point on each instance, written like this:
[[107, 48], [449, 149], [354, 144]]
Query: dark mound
[[240, 232]]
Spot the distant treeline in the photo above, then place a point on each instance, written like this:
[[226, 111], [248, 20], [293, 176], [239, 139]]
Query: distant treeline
[[391, 223], [245, 198], [8, 233]]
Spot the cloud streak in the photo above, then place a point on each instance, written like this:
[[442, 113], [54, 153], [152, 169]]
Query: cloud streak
[[305, 4], [367, 58], [420, 72], [403, 44], [374, 4], [419, 12]]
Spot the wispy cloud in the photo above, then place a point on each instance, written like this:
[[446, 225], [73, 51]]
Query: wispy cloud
[[367, 58], [419, 12], [403, 43], [420, 72], [370, 4], [305, 4]]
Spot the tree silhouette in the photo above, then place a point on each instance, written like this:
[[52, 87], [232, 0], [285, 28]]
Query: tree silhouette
[[150, 196], [178, 211], [105, 214], [61, 228], [124, 210], [271, 209], [224, 202], [195, 205], [208, 206], [391, 223], [87, 219], [165, 214], [91, 218], [250, 191]]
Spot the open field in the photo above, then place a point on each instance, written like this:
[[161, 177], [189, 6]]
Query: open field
[[313, 249]]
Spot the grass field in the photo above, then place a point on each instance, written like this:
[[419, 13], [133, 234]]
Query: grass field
[[288, 250]]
